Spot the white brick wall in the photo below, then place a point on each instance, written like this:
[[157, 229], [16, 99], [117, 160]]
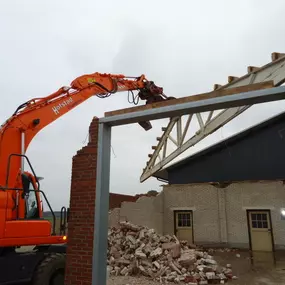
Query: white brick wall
[[204, 201], [255, 195], [114, 218], [146, 211], [219, 215]]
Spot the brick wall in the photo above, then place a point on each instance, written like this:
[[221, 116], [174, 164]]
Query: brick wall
[[202, 199], [219, 215], [114, 218], [116, 200], [82, 205], [254, 195], [146, 211], [81, 219]]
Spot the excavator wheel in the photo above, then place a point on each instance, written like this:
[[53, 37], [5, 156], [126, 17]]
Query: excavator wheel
[[50, 271]]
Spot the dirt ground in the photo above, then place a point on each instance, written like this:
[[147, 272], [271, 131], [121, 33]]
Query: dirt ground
[[256, 269], [259, 268]]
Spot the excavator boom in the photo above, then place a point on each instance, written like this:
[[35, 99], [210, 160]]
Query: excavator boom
[[32, 116]]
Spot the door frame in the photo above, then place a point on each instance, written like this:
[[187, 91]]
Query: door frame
[[248, 211], [175, 225]]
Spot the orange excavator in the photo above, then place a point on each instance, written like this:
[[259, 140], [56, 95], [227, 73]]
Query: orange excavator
[[22, 222]]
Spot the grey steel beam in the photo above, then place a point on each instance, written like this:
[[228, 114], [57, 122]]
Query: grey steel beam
[[102, 206], [236, 100]]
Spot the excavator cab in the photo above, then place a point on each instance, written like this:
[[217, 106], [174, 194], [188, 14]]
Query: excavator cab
[[25, 223], [22, 223]]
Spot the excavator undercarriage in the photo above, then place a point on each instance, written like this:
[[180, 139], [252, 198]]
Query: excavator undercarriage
[[41, 265]]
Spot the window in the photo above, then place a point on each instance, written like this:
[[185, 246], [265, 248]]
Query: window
[[184, 219], [259, 221], [32, 205]]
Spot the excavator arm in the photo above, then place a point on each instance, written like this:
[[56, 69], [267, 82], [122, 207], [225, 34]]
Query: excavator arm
[[37, 113], [32, 116]]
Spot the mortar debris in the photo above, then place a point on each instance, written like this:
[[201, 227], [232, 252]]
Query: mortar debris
[[139, 251]]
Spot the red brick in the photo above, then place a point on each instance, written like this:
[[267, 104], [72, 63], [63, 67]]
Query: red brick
[[81, 220], [82, 204]]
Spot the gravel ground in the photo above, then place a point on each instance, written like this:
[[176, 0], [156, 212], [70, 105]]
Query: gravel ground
[[256, 269], [127, 280], [259, 269]]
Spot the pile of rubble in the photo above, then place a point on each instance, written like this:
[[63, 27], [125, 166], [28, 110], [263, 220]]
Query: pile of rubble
[[134, 250]]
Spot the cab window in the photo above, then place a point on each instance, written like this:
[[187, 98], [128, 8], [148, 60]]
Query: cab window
[[32, 205]]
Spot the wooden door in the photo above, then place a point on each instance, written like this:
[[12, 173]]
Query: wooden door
[[260, 230], [184, 225]]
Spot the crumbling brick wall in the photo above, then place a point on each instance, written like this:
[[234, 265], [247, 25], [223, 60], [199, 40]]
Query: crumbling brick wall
[[145, 211], [82, 206], [116, 200], [81, 219]]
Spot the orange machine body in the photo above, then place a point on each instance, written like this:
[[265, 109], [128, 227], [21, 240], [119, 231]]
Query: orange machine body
[[19, 130]]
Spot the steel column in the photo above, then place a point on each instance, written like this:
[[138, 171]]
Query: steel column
[[102, 206]]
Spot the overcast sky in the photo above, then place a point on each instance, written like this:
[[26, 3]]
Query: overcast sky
[[185, 47]]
